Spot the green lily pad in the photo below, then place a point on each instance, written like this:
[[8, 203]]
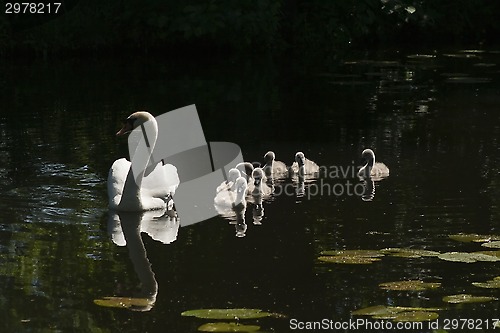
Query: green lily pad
[[376, 310], [467, 257], [234, 314], [228, 327], [474, 238], [414, 285], [122, 302], [353, 253], [395, 312], [348, 259], [416, 316], [408, 253], [490, 284], [466, 298], [490, 253], [492, 245]]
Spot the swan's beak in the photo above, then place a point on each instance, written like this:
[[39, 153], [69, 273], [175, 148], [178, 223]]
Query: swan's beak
[[127, 127]]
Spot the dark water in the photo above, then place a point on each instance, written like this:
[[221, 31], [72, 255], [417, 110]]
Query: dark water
[[432, 117]]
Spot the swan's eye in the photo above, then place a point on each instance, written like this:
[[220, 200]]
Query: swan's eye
[[130, 121]]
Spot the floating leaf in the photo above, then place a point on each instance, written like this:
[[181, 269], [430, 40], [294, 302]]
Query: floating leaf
[[416, 316], [122, 302], [466, 298], [474, 238], [348, 259], [493, 245], [415, 285], [376, 310], [227, 313], [354, 253], [409, 253], [490, 253], [490, 284], [467, 257], [227, 327], [393, 312], [412, 308]]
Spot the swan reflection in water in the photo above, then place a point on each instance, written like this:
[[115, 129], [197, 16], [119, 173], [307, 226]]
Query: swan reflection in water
[[368, 190], [125, 229]]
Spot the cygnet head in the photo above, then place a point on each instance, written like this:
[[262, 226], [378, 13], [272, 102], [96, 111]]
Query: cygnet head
[[368, 155], [233, 174], [300, 158], [257, 175], [269, 157], [133, 121], [245, 168]]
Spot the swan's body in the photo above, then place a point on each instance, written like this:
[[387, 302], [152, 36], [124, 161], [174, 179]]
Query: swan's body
[[259, 187], [303, 166], [226, 201], [230, 183], [372, 169], [273, 168], [129, 189]]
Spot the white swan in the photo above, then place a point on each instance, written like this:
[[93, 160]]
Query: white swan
[[273, 168], [303, 166], [372, 169], [227, 201], [259, 187], [230, 183], [129, 189]]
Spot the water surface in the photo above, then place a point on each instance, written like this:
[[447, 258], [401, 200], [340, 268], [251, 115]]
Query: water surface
[[432, 117]]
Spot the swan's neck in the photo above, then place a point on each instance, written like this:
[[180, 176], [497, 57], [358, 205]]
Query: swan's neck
[[146, 137], [302, 170], [369, 165], [240, 196]]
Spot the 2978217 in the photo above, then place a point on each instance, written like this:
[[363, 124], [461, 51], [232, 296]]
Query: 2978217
[[32, 7]]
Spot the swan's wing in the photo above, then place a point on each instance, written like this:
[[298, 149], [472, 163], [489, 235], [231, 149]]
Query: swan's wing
[[279, 169], [311, 167], [116, 180], [161, 182], [379, 171], [294, 168]]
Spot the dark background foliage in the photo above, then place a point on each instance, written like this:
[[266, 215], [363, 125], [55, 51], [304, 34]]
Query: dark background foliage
[[299, 27]]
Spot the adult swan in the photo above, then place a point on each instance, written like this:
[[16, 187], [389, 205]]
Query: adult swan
[[137, 186]]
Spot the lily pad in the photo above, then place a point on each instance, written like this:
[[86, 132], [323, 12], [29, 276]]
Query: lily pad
[[354, 253], [234, 314], [228, 327], [474, 238], [395, 312], [493, 245], [467, 298], [348, 259], [414, 285], [122, 302], [416, 316], [490, 284], [375, 310], [467, 257], [408, 252], [491, 253]]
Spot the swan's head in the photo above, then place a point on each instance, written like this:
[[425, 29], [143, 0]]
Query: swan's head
[[300, 158], [233, 174], [135, 120], [269, 157], [245, 168], [257, 175], [368, 155]]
